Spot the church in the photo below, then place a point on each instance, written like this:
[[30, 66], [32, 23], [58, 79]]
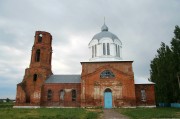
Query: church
[[106, 80]]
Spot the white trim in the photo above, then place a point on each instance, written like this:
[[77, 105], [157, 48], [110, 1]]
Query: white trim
[[26, 106], [152, 106]]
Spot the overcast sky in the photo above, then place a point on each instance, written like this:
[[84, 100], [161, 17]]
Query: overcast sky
[[141, 25]]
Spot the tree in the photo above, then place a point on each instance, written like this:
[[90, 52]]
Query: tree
[[7, 99], [164, 69]]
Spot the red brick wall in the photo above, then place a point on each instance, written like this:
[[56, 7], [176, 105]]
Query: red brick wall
[[122, 85], [55, 100], [150, 95]]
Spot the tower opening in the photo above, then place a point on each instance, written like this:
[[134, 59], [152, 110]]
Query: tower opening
[[35, 77], [40, 38], [37, 58]]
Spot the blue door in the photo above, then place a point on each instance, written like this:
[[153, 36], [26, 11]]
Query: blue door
[[107, 99]]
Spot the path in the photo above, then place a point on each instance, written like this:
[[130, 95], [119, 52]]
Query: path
[[112, 114]]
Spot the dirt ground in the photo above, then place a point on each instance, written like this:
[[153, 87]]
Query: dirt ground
[[112, 114]]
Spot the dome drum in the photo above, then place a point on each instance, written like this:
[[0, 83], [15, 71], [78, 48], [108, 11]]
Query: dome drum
[[105, 46]]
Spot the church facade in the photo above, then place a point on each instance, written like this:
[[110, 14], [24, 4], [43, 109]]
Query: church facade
[[106, 79]]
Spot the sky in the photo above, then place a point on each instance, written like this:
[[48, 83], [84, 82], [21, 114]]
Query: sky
[[141, 25]]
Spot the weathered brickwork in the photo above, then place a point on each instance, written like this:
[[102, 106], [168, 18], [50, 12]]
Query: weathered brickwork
[[97, 78], [149, 94], [29, 90], [56, 100], [121, 85]]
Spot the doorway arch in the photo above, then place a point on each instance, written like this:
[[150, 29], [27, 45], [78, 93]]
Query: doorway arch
[[107, 98]]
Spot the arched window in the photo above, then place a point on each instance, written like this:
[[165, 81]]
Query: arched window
[[40, 38], [62, 94], [49, 95], [73, 95], [34, 77], [107, 74], [37, 57]]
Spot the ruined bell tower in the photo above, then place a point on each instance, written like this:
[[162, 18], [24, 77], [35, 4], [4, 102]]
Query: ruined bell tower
[[29, 90]]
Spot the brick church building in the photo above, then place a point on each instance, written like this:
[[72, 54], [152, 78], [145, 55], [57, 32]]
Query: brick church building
[[106, 80]]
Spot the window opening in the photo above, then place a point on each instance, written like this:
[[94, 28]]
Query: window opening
[[49, 96], [143, 95], [62, 94], [73, 95], [92, 51], [108, 49], [104, 49], [40, 38], [37, 58], [35, 77], [95, 50], [118, 51], [27, 99], [107, 74]]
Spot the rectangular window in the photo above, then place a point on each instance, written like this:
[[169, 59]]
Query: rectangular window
[[116, 50], [73, 95], [143, 95], [108, 49], [92, 51], [104, 49], [62, 95], [95, 50]]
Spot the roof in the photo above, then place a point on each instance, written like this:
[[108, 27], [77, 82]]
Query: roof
[[105, 33], [64, 79], [143, 81], [106, 61]]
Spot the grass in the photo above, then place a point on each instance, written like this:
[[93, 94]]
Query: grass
[[6, 105], [46, 113], [7, 112], [149, 113]]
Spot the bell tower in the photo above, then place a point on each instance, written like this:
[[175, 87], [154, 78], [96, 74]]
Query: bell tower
[[29, 90], [41, 50]]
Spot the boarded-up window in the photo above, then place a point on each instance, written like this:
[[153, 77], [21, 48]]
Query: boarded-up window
[[143, 95], [62, 94]]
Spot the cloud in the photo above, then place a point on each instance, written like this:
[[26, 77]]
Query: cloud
[[140, 25]]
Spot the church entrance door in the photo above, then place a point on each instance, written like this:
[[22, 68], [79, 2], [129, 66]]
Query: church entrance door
[[107, 98]]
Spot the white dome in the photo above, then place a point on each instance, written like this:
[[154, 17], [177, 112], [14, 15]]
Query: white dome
[[105, 33], [105, 46]]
